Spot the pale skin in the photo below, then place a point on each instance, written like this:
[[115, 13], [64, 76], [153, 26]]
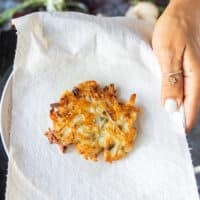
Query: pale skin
[[176, 43]]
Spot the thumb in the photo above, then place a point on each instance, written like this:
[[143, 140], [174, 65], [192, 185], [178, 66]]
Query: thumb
[[172, 78]]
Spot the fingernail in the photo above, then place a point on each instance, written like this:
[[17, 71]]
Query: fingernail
[[171, 105]]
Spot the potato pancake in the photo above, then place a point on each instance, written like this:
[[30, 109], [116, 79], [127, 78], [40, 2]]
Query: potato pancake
[[93, 120]]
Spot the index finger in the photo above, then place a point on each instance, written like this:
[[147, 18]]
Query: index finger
[[191, 88]]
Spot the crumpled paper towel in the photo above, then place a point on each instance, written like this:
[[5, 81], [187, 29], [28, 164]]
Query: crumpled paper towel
[[56, 51]]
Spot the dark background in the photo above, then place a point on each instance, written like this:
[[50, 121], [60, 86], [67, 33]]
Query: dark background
[[8, 40]]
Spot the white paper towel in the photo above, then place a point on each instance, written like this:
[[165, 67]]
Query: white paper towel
[[56, 51]]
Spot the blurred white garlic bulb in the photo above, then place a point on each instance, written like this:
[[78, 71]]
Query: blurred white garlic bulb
[[55, 5], [144, 10]]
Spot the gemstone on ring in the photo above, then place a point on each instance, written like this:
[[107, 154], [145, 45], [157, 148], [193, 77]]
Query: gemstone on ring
[[172, 80]]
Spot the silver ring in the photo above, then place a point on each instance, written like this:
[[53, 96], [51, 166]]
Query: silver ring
[[172, 77]]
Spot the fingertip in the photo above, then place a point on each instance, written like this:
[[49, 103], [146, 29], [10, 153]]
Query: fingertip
[[191, 119], [191, 113], [188, 128]]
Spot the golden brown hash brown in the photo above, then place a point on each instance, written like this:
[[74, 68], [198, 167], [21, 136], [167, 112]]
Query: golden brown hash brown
[[93, 120]]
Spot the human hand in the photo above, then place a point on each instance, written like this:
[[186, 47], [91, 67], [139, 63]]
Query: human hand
[[176, 43]]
